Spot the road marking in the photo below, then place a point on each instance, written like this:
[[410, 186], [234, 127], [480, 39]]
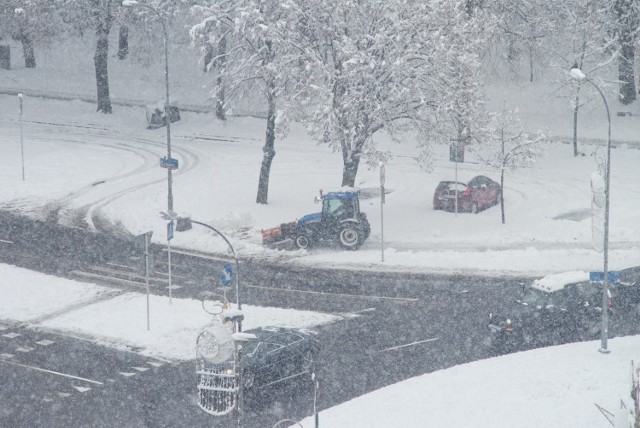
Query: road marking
[[202, 256], [141, 369], [155, 363], [409, 344], [364, 311], [12, 335], [45, 342], [127, 374], [82, 389], [108, 278], [6, 242], [25, 349], [2, 360], [320, 293]]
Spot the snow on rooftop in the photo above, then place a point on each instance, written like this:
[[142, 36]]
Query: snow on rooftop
[[559, 280]]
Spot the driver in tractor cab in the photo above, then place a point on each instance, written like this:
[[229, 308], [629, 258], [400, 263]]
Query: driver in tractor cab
[[339, 208]]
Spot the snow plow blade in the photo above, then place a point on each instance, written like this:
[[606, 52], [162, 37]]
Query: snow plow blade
[[276, 235], [270, 236]]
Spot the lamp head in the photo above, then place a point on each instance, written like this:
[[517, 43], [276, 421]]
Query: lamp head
[[577, 74]]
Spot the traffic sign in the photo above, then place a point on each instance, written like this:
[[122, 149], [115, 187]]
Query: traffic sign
[[456, 153], [170, 230], [613, 276], [225, 275], [169, 163]]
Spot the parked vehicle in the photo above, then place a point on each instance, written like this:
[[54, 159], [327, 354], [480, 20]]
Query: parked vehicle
[[553, 310], [478, 194], [276, 355], [340, 220]]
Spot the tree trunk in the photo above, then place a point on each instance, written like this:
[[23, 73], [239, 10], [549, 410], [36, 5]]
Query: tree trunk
[[100, 60], [627, 24], [530, 64], [627, 93], [221, 61], [349, 172], [350, 161], [123, 42], [502, 176], [268, 150], [27, 49], [575, 122], [502, 193]]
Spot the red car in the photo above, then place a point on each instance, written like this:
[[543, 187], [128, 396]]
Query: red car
[[478, 194]]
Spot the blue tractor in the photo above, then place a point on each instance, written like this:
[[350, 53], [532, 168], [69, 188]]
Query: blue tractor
[[340, 220]]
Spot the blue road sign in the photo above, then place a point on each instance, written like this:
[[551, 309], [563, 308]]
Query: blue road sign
[[170, 230], [169, 163], [613, 276], [225, 275]]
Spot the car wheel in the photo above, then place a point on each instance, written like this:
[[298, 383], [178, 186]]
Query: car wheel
[[303, 241], [474, 208], [350, 237], [248, 378]]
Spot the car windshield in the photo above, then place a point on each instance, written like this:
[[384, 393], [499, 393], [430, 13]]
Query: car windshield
[[250, 347], [451, 186], [535, 297]]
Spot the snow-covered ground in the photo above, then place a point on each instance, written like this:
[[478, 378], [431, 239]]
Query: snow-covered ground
[[108, 166], [95, 166]]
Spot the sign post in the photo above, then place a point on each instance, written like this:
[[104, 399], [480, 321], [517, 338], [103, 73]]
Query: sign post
[[21, 139], [169, 163], [169, 238], [456, 154], [612, 276], [605, 278], [144, 242], [382, 179]]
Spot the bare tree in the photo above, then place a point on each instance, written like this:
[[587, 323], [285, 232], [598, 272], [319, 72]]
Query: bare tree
[[581, 41], [259, 62], [212, 35], [104, 16], [509, 148], [31, 22], [387, 65], [626, 16], [80, 15]]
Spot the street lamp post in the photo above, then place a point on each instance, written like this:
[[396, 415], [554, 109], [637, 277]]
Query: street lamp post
[[235, 258], [167, 113], [184, 223], [577, 74]]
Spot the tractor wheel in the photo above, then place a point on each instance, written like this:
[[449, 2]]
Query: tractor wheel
[[303, 241], [350, 237]]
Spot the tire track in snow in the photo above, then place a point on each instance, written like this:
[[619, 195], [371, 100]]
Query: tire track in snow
[[88, 215]]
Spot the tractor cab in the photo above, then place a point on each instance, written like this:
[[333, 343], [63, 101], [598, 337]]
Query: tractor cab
[[340, 205]]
